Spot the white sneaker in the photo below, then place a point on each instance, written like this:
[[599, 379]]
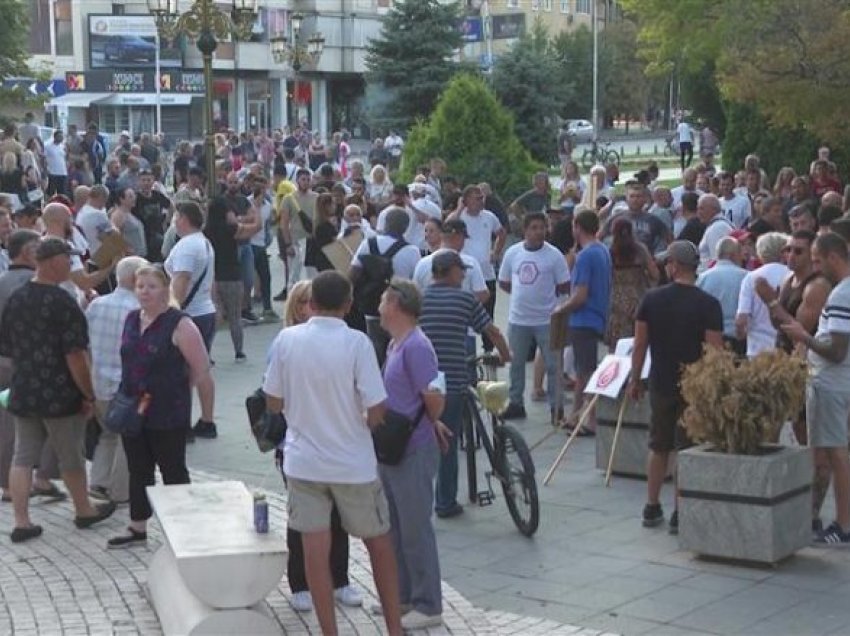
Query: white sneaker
[[417, 620], [348, 596], [301, 602]]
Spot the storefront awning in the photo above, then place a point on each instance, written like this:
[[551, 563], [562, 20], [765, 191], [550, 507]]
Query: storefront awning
[[148, 99], [78, 100]]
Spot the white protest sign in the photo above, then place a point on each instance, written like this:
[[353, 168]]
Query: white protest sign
[[610, 376], [624, 348]]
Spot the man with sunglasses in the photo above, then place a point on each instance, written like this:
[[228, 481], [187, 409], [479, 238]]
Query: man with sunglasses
[[801, 297]]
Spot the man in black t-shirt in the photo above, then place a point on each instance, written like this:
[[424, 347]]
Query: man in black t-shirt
[[154, 210], [45, 334], [673, 322]]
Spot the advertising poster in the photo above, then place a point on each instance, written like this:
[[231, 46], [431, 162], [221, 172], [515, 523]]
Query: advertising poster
[[129, 41]]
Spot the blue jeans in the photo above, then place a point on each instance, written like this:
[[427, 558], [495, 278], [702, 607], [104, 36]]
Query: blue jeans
[[446, 492], [521, 338], [246, 265]]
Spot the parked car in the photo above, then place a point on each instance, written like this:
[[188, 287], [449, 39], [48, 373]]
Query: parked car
[[129, 48], [580, 129]]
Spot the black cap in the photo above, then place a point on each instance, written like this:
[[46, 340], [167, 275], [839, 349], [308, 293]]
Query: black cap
[[50, 247], [444, 260], [455, 226]]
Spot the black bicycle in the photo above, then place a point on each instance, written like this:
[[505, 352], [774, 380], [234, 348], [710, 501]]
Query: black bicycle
[[601, 153], [510, 459]]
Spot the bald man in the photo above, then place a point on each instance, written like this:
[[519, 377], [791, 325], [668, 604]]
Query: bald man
[[58, 223], [710, 214]]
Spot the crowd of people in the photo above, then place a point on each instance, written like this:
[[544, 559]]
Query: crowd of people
[[113, 287]]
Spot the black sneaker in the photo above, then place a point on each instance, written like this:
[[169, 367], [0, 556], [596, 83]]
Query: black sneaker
[[281, 296], [250, 317], [205, 430], [673, 527], [241, 357], [514, 412], [834, 537], [653, 515]]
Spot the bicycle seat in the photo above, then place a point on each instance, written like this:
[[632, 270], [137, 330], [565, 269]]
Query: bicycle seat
[[493, 396]]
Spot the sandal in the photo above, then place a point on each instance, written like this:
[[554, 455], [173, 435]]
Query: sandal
[[125, 541], [52, 493], [538, 395], [19, 535]]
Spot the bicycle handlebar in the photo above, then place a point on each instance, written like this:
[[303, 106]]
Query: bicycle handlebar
[[487, 359]]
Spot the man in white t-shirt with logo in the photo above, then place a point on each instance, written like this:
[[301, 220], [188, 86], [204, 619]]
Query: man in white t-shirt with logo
[[485, 243], [689, 184], [685, 135], [325, 379], [191, 265], [534, 273], [736, 207]]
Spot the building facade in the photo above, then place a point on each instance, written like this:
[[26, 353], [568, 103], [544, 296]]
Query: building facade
[[104, 55]]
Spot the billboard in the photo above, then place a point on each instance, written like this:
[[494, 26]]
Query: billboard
[[134, 82], [128, 41], [470, 29], [508, 26]]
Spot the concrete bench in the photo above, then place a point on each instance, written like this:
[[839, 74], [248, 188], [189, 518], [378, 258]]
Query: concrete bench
[[633, 445], [213, 571]]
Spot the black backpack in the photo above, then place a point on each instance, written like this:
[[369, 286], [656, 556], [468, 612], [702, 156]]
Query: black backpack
[[375, 277]]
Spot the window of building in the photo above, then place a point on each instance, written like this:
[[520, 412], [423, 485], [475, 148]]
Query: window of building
[[535, 5], [565, 6], [39, 27], [512, 4], [64, 28], [583, 6], [547, 5], [114, 118]]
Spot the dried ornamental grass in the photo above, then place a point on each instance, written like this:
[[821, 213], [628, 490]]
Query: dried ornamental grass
[[738, 406]]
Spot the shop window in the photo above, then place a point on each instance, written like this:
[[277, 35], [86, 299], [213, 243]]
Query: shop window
[[64, 28], [39, 27], [114, 119]]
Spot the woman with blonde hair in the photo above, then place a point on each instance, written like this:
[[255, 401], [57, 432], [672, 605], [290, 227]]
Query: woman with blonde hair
[[595, 187], [782, 188], [162, 357], [325, 229], [297, 312], [11, 176], [380, 188]]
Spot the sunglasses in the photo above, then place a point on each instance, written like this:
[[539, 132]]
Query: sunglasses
[[798, 251]]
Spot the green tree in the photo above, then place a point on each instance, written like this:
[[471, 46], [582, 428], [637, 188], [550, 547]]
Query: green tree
[[523, 82], [410, 63], [624, 88], [574, 52], [474, 134], [14, 27]]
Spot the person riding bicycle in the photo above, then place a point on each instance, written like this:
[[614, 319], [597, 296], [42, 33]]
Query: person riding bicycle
[[447, 312]]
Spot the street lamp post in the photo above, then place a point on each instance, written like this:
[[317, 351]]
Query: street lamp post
[[205, 23], [293, 49]]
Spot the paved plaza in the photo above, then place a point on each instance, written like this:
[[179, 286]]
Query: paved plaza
[[590, 569]]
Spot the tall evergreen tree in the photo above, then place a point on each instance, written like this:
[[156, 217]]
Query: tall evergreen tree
[[474, 134], [411, 62], [524, 81]]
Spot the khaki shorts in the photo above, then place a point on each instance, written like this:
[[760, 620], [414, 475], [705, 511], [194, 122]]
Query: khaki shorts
[[826, 417], [362, 508], [66, 435]]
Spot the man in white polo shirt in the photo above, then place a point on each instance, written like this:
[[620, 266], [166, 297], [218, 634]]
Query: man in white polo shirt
[[323, 376]]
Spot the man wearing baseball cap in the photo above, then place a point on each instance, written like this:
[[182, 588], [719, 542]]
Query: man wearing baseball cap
[[673, 322], [45, 334], [453, 238]]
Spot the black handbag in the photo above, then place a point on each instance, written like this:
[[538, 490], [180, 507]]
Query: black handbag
[[125, 414], [390, 438], [268, 429]]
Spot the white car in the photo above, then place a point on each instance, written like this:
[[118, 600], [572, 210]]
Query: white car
[[580, 129]]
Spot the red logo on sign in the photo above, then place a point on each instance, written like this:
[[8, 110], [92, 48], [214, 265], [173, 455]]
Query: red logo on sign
[[608, 375]]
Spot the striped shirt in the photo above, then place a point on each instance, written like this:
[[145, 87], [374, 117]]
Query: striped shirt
[[447, 312], [835, 318], [106, 316]]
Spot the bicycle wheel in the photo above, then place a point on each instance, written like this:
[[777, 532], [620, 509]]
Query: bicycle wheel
[[469, 426], [518, 482], [588, 159], [612, 156]]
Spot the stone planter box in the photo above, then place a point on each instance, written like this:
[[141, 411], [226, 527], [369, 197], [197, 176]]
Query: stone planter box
[[633, 445], [745, 507]]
